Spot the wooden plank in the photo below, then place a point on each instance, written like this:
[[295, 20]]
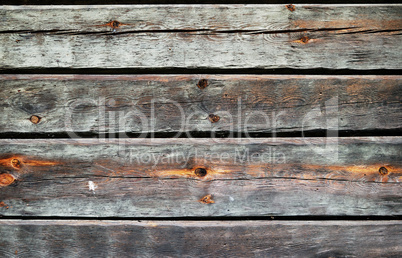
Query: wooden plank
[[201, 36], [201, 177], [173, 103], [109, 2], [200, 238]]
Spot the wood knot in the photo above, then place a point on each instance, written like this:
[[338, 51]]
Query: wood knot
[[304, 39], [6, 179], [35, 119], [115, 24], [200, 172], [291, 7], [207, 199], [16, 163], [383, 171], [2, 204], [213, 118], [202, 84]]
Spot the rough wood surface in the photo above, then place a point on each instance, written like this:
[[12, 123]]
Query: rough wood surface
[[201, 36], [109, 2], [200, 238], [174, 103], [201, 177]]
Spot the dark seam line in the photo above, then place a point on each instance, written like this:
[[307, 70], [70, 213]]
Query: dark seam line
[[215, 218], [200, 70], [210, 31], [207, 134]]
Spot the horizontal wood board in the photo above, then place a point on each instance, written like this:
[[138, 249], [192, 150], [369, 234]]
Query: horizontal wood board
[[174, 103], [200, 238], [149, 2], [212, 187], [201, 36], [159, 177]]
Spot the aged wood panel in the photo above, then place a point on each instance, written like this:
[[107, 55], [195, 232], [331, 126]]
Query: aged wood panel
[[109, 2], [201, 177], [19, 238], [201, 36], [174, 103]]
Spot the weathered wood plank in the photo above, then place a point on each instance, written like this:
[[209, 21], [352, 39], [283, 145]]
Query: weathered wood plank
[[201, 36], [19, 238], [173, 103], [110, 2], [169, 177]]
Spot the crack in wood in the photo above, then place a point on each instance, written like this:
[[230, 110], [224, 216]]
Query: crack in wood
[[371, 31], [190, 31], [212, 179]]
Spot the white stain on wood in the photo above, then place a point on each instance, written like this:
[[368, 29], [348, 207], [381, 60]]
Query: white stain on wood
[[92, 186]]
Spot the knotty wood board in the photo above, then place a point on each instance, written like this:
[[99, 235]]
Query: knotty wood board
[[174, 103], [201, 36], [43, 238], [245, 177]]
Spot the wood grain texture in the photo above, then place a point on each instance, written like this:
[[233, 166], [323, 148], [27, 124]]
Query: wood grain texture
[[173, 103], [200, 238], [201, 36], [110, 2], [158, 178]]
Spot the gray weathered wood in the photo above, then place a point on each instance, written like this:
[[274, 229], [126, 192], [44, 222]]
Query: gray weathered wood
[[201, 36], [174, 103], [157, 177], [32, 238]]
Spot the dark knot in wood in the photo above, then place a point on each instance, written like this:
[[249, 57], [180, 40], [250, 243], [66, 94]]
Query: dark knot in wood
[[304, 39], [383, 171], [202, 84], [291, 7], [200, 172], [213, 118], [35, 119], [115, 24], [16, 163]]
